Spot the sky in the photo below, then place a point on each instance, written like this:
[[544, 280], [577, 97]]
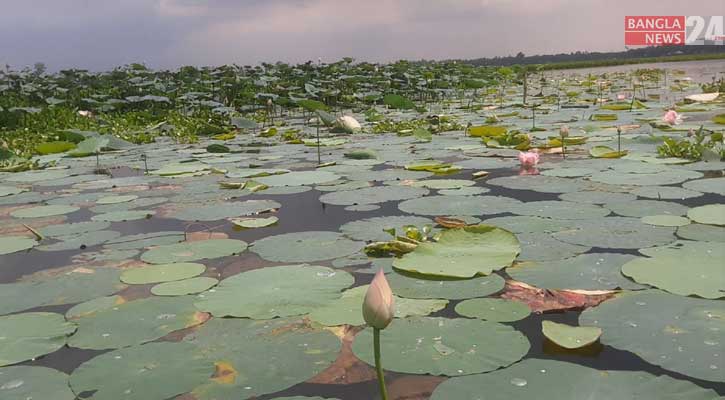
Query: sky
[[102, 34]]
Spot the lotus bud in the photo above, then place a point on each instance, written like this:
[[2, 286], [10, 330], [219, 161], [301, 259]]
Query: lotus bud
[[564, 131], [379, 305], [671, 117]]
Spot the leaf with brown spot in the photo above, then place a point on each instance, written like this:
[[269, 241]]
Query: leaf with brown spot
[[448, 222], [347, 368]]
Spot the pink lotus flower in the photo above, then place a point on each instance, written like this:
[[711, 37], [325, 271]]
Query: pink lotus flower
[[621, 96], [672, 117], [528, 159], [528, 171], [379, 305]]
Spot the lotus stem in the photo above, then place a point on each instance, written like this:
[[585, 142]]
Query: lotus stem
[[379, 365]]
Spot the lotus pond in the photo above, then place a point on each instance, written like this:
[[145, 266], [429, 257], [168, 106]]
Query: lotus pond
[[179, 239]]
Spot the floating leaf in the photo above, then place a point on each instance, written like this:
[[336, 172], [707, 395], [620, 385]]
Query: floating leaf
[[305, 246], [193, 251], [30, 335], [497, 310], [570, 337], [30, 383], [162, 273], [184, 287], [463, 253]]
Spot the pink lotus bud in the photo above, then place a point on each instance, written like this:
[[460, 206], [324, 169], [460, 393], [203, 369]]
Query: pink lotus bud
[[564, 131], [379, 305], [621, 96], [672, 117], [528, 159]]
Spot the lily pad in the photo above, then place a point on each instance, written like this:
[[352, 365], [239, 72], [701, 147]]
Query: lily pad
[[416, 288], [570, 337], [665, 220], [711, 214], [560, 210], [597, 197], [220, 211], [292, 350], [709, 185], [667, 177], [443, 346], [135, 322], [154, 371], [275, 292], [116, 199], [183, 287], [685, 268], [73, 229], [545, 247], [30, 335], [459, 205], [298, 178], [30, 383], [373, 229], [701, 232], [305, 246], [616, 233], [643, 208], [677, 333], [193, 251], [55, 287], [539, 183], [463, 253], [120, 216], [556, 380], [443, 183], [372, 195], [497, 310], [80, 241], [12, 244], [162, 273], [43, 211], [592, 271], [252, 222], [665, 193], [10, 190], [92, 306]]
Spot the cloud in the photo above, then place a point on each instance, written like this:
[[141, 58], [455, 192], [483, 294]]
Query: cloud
[[101, 34]]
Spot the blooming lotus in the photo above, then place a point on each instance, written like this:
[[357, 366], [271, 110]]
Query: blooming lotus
[[379, 305], [528, 159], [348, 124], [671, 117], [621, 96]]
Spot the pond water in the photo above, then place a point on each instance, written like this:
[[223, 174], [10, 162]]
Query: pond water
[[566, 208]]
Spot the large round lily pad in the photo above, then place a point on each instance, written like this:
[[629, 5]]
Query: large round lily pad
[[186, 286], [597, 197], [193, 251], [305, 246], [570, 337], [442, 346], [702, 232], [60, 286], [616, 233], [560, 210], [458, 289], [43, 211], [497, 310], [220, 211], [30, 335], [593, 271], [121, 216], [162, 273], [463, 253], [373, 229], [135, 322], [254, 358], [711, 214], [458, 205], [665, 220], [680, 334], [12, 244], [643, 208], [28, 383], [154, 371], [556, 380], [544, 247], [709, 185], [667, 177], [298, 178], [372, 195], [539, 183], [529, 224], [275, 292], [685, 268]]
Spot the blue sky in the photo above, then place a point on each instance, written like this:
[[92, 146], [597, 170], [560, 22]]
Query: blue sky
[[101, 34]]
